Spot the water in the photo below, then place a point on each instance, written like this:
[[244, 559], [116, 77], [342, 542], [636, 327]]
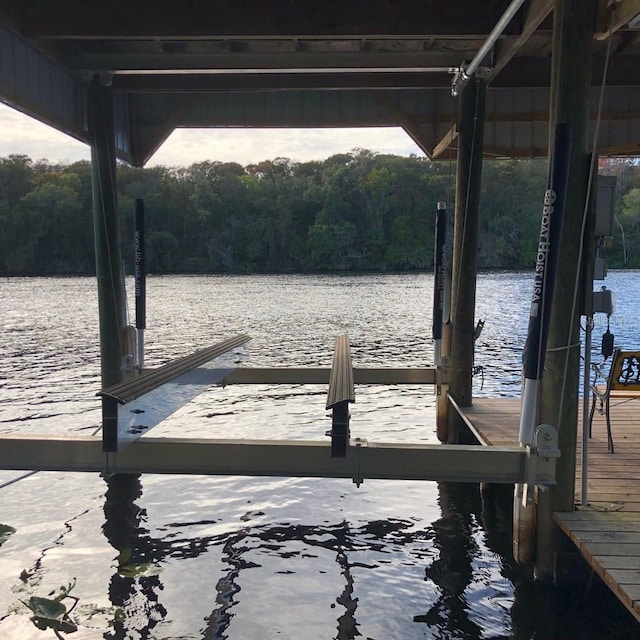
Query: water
[[168, 557]]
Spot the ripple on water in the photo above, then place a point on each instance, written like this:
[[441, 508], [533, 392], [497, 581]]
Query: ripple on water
[[219, 557]]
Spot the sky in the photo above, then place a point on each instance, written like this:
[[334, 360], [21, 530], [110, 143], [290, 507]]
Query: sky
[[21, 134]]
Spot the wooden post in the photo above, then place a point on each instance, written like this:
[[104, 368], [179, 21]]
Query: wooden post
[[441, 304], [106, 230], [465, 242], [571, 79]]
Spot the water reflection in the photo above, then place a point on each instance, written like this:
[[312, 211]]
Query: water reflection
[[134, 594], [135, 589], [347, 625], [336, 565], [475, 591], [452, 572]]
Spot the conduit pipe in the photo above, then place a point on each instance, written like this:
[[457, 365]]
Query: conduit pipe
[[465, 72]]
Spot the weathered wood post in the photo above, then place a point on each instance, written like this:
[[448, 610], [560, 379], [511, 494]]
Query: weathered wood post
[[465, 244], [441, 312], [570, 84], [106, 229]]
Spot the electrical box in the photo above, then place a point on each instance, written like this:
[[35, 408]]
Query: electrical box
[[604, 206], [603, 301], [599, 268]]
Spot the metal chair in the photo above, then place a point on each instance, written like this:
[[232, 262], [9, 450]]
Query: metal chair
[[622, 381]]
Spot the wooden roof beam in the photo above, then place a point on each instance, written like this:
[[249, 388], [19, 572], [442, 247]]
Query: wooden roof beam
[[247, 61], [631, 149], [206, 83], [536, 13], [624, 11], [446, 142], [409, 124], [118, 19]]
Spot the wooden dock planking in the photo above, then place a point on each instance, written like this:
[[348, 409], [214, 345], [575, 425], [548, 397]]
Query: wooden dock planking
[[607, 531]]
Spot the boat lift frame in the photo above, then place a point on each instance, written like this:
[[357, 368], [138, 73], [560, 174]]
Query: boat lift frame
[[343, 457], [285, 458]]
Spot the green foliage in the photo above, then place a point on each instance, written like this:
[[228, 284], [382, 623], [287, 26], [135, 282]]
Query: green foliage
[[128, 569], [5, 532], [629, 223], [352, 211], [51, 613]]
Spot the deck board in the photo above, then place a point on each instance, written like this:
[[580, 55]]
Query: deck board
[[607, 530]]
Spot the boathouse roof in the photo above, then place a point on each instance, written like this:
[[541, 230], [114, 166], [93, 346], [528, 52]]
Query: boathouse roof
[[318, 63]]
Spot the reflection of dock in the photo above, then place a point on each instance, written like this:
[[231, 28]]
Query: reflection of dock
[[607, 531]]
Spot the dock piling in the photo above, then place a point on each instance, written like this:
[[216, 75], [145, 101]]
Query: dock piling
[[465, 243]]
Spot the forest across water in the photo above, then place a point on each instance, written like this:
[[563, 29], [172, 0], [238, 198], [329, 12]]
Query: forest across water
[[357, 211]]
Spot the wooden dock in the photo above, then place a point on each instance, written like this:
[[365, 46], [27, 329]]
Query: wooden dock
[[607, 530]]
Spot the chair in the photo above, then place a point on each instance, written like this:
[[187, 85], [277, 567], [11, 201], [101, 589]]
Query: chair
[[622, 381]]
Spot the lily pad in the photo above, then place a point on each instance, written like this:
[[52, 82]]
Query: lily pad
[[5, 532], [128, 569], [46, 608], [133, 570]]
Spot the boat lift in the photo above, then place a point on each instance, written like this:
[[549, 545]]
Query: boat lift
[[131, 409]]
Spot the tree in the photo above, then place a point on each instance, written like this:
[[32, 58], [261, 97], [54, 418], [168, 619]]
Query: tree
[[629, 224], [330, 245], [49, 228], [357, 211]]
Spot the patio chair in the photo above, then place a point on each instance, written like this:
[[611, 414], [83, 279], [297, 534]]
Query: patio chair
[[622, 382]]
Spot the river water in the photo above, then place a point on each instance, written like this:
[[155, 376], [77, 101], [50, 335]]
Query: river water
[[168, 557]]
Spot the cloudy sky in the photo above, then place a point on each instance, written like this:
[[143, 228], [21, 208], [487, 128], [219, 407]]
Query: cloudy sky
[[23, 135]]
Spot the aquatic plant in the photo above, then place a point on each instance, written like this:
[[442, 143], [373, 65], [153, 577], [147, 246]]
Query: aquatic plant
[[5, 532], [51, 613]]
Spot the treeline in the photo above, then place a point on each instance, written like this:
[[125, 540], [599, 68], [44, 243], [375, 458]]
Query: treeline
[[353, 211]]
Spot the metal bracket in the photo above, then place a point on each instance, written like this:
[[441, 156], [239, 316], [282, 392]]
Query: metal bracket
[[541, 461], [546, 442], [127, 363], [443, 372], [461, 77], [339, 432], [357, 444], [482, 73]]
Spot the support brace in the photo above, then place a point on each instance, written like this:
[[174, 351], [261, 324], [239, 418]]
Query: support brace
[[544, 451]]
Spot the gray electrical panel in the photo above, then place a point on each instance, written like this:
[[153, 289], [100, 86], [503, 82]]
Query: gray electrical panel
[[604, 206]]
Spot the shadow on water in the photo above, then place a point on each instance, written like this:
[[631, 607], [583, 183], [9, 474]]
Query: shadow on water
[[347, 625], [452, 572], [129, 589], [474, 524], [136, 595], [539, 611]]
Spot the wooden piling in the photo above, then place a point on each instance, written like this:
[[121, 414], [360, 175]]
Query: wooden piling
[[106, 230], [571, 67], [465, 242]]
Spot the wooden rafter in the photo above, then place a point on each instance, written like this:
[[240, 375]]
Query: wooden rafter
[[537, 11], [409, 124], [82, 19], [446, 141], [624, 11]]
